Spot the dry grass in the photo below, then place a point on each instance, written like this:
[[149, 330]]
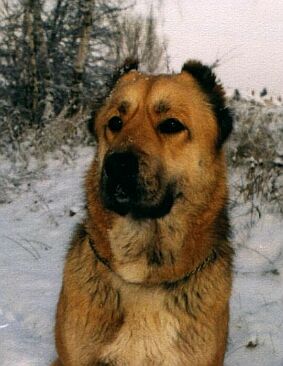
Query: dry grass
[[255, 153], [23, 155]]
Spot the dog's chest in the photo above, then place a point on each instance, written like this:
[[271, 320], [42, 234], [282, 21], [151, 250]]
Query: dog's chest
[[149, 335]]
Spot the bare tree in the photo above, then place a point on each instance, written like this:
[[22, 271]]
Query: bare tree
[[30, 72], [24, 39], [61, 59]]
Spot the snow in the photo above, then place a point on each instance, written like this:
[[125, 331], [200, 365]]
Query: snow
[[35, 227], [256, 324]]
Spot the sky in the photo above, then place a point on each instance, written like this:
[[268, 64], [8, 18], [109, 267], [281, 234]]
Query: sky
[[246, 35]]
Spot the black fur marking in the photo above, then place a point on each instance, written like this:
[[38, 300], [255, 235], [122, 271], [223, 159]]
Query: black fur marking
[[161, 107], [182, 301], [214, 90], [123, 107], [222, 227], [222, 233], [79, 235], [154, 256]]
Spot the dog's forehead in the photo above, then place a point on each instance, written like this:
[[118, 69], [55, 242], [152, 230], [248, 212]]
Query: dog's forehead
[[158, 92]]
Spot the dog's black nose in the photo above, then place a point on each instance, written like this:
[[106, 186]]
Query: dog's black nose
[[121, 166], [119, 184]]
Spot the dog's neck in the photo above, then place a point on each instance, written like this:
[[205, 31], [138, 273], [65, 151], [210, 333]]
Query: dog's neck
[[211, 258], [142, 251], [153, 251]]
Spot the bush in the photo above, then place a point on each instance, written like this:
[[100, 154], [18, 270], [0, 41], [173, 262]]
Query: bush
[[255, 154]]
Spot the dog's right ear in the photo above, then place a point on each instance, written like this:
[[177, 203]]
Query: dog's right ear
[[129, 64], [208, 82]]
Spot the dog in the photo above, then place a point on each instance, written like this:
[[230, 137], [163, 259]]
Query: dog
[[147, 278]]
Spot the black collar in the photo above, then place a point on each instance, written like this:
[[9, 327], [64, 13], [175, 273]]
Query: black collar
[[211, 258], [97, 255]]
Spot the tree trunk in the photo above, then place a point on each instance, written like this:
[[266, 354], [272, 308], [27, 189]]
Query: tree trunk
[[30, 72], [81, 57], [37, 74], [43, 62]]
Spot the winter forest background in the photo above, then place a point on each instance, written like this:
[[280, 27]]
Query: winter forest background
[[56, 61]]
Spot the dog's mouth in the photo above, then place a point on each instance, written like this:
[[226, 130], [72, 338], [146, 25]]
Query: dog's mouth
[[121, 203], [124, 191]]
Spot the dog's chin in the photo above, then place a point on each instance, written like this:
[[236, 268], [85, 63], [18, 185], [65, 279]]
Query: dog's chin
[[139, 209]]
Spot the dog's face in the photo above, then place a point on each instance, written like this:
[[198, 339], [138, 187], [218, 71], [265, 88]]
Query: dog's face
[[159, 141]]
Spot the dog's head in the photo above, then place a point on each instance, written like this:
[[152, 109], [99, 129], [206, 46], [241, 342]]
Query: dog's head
[[160, 139]]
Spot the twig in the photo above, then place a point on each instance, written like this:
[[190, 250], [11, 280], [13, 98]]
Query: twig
[[40, 243], [235, 350], [264, 256], [31, 252], [33, 248]]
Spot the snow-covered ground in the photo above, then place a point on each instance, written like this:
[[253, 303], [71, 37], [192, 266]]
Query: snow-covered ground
[[35, 227]]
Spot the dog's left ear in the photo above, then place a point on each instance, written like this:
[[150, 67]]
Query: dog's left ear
[[130, 64], [216, 96]]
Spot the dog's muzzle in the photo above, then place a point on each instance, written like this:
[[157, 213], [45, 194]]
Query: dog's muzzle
[[121, 173], [123, 191]]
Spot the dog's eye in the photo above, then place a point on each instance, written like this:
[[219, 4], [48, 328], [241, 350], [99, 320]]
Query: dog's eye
[[115, 124], [171, 125]]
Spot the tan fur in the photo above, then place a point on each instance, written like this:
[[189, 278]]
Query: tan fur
[[115, 307]]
